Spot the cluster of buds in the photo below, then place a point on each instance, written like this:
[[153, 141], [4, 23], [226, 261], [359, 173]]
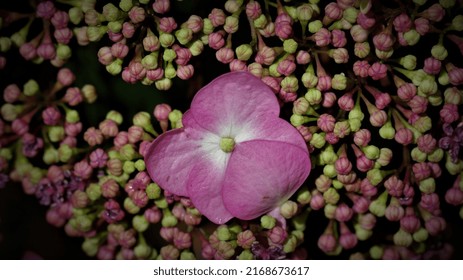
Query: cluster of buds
[[373, 87]]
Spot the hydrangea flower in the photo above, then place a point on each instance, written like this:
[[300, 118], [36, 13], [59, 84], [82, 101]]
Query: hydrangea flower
[[234, 156]]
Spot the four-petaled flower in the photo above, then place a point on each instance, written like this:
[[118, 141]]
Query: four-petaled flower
[[234, 156]]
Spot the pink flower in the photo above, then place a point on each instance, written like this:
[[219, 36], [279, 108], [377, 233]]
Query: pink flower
[[234, 157]]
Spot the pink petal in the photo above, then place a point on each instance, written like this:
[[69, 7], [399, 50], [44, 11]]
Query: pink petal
[[171, 157], [205, 188], [261, 175], [231, 100]]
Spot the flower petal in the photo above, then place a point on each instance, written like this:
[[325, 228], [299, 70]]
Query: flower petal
[[171, 157], [205, 188], [261, 175], [232, 100], [272, 129]]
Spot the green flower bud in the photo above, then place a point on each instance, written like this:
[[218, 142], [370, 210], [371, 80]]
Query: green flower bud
[[439, 52], [90, 246], [72, 116], [31, 88], [128, 152], [290, 244], [419, 2], [412, 37], [175, 116], [93, 191], [443, 78], [350, 14], [267, 222], [318, 140], [95, 33], [184, 35], [115, 116], [35, 174], [5, 44], [330, 171], [339, 82], [63, 52], [371, 152], [376, 252], [166, 40], [111, 12], [161, 203], [402, 238], [140, 223], [115, 67], [243, 52], [75, 15], [375, 176], [420, 235], [125, 5], [89, 93], [297, 120], [246, 255], [128, 167], [142, 251], [314, 96], [290, 46], [304, 13], [6, 153], [436, 155], [435, 99], [10, 112], [163, 84], [328, 156], [387, 131], [408, 62], [50, 155], [168, 220], [208, 28], [140, 165], [304, 197], [329, 211], [153, 191], [65, 153], [418, 155], [150, 61], [427, 87], [453, 168], [383, 55], [331, 196], [427, 185], [309, 80], [196, 48], [223, 233], [231, 24], [457, 23], [315, 26], [56, 133], [378, 206], [453, 95], [362, 49], [187, 255], [361, 233], [130, 206], [288, 209], [260, 22], [290, 83]]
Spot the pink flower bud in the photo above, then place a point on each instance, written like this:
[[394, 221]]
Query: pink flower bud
[[66, 77], [46, 50], [253, 10], [45, 9], [432, 66], [394, 212], [383, 41], [194, 23], [237, 65], [139, 198], [93, 136], [121, 139], [422, 25], [347, 239], [359, 34], [20, 126], [98, 158], [183, 56], [322, 38], [362, 137], [60, 19], [406, 91], [53, 218], [410, 222], [402, 23], [377, 71], [82, 169], [365, 21], [324, 83], [128, 29], [327, 243], [361, 67], [430, 202], [338, 38], [286, 67], [418, 104], [105, 56], [343, 213], [317, 202], [155, 74], [63, 35], [167, 24], [435, 225], [185, 72], [326, 122], [225, 55], [332, 12], [216, 40], [115, 37], [51, 116], [11, 93], [153, 215], [449, 113], [455, 74], [346, 102], [137, 14], [434, 13], [265, 55], [119, 50], [161, 6], [217, 17], [108, 128], [361, 203], [28, 51]]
